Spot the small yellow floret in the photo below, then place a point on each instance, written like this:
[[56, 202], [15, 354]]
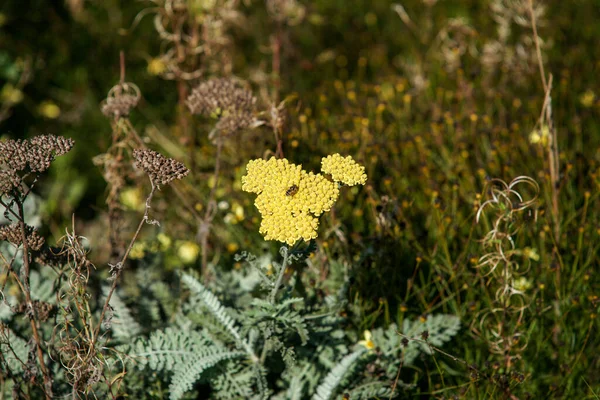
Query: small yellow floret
[[344, 169], [368, 342]]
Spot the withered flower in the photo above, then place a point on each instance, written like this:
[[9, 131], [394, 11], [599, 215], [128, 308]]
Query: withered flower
[[120, 100], [226, 100], [12, 233], [34, 154], [160, 169], [9, 180]]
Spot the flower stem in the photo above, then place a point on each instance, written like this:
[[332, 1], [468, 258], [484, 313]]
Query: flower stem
[[33, 316], [280, 276]]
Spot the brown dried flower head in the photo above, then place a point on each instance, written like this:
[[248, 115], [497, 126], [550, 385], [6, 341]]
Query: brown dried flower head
[[120, 100], [42, 150], [160, 169], [226, 100], [34, 154], [40, 309], [12, 233], [286, 11], [53, 257], [9, 180]]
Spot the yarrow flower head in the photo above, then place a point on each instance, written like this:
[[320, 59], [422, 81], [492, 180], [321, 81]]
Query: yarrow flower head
[[344, 170], [160, 169], [290, 200]]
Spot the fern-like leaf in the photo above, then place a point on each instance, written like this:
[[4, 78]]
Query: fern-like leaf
[[218, 311], [123, 325], [440, 328], [189, 372], [165, 350], [14, 350], [330, 383]]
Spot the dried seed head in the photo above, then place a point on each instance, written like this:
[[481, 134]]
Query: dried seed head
[[36, 154], [160, 169], [226, 100], [9, 180], [12, 233], [286, 11], [52, 256], [41, 151], [40, 310], [234, 120], [120, 100], [13, 153]]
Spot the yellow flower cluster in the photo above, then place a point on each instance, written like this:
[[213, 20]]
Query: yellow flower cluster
[[290, 199], [344, 169]]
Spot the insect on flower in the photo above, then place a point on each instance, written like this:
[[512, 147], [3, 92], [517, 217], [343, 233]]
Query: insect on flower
[[292, 190]]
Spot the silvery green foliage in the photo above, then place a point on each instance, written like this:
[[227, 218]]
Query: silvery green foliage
[[202, 295], [184, 353], [123, 325], [31, 210], [42, 285], [234, 336], [14, 350], [5, 311], [440, 329], [330, 383]]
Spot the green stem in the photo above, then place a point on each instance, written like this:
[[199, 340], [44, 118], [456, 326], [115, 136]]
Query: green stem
[[280, 277]]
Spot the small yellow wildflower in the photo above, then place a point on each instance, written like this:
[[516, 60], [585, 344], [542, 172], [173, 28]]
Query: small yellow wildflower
[[232, 247], [164, 241], [131, 198], [156, 66], [10, 94], [344, 170], [541, 136], [49, 109], [368, 342], [522, 284], [138, 251], [188, 252], [587, 98], [290, 200], [531, 254]]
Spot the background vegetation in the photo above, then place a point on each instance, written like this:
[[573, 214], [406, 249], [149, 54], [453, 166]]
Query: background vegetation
[[444, 102]]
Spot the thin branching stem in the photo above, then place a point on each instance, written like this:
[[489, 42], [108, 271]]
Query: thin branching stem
[[546, 116], [120, 267], [210, 208], [33, 317]]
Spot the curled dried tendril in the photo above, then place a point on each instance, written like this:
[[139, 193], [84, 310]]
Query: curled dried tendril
[[504, 202]]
